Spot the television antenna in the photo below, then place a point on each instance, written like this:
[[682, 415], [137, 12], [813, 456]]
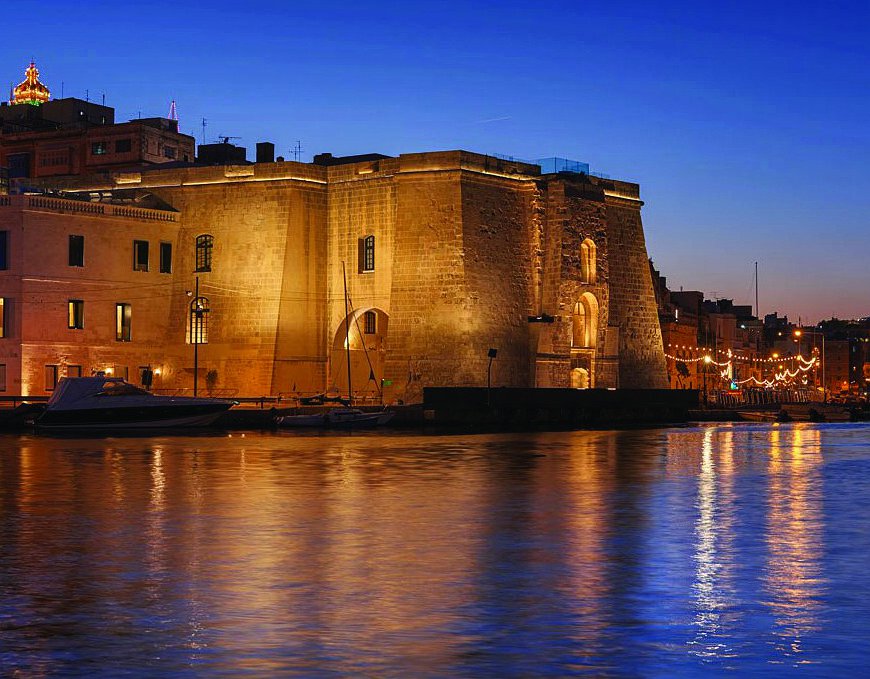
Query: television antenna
[[224, 139]]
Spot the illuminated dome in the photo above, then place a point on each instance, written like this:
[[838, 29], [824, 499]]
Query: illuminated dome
[[31, 91]]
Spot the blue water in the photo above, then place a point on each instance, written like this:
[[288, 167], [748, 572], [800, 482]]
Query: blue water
[[741, 549]]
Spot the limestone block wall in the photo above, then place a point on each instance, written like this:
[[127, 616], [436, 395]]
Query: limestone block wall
[[263, 290], [497, 229], [632, 301], [361, 203]]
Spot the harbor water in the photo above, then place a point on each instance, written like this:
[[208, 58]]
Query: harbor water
[[656, 552]]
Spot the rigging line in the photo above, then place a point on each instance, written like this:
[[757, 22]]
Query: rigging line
[[99, 290], [365, 349]]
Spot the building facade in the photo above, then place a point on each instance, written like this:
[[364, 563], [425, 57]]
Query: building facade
[[444, 256]]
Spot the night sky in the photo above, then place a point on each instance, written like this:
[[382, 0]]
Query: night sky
[[745, 123]]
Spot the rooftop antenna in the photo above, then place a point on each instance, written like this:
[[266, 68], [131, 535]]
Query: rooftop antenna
[[297, 151], [104, 98], [88, 95], [173, 112], [224, 139], [204, 123]]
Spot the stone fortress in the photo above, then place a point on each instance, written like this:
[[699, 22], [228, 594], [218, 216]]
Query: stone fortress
[[444, 255]]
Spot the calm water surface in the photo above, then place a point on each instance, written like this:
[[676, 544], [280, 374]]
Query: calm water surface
[[638, 553]]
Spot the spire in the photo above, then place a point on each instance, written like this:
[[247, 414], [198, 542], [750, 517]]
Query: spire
[[31, 91]]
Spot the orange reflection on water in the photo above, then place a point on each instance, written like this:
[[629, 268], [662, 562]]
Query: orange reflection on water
[[589, 479], [714, 532], [793, 577]]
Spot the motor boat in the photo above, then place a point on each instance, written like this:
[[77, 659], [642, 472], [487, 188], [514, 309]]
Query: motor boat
[[113, 403], [337, 418]]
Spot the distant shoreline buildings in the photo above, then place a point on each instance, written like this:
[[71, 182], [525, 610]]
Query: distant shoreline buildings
[[109, 230]]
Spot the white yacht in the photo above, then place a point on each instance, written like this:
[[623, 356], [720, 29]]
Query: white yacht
[[112, 403]]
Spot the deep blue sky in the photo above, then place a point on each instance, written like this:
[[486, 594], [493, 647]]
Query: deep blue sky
[[745, 123]]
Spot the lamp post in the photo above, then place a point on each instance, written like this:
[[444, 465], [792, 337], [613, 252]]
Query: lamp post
[[198, 310], [707, 362], [492, 353], [814, 332]]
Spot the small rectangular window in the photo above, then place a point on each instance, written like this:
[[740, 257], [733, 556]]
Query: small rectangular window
[[123, 322], [76, 250], [123, 146], [50, 377], [2, 377], [140, 255], [370, 322], [99, 148], [367, 254], [170, 152], [166, 258], [4, 250], [76, 314], [3, 325], [73, 371]]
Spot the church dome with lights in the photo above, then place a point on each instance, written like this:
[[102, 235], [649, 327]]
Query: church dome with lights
[[31, 91]]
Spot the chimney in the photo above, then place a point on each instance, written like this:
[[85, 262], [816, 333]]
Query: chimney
[[265, 152]]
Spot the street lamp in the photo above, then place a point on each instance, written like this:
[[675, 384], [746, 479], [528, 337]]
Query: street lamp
[[707, 361], [797, 334], [492, 353]]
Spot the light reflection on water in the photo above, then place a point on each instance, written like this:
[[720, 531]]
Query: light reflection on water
[[655, 552]]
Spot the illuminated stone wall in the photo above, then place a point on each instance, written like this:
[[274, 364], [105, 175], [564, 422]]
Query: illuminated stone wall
[[467, 247], [265, 287]]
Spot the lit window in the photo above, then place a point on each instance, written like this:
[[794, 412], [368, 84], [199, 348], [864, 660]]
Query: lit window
[[204, 246], [197, 321], [76, 314], [370, 322], [76, 250], [588, 261], [123, 322], [50, 377], [2, 377], [166, 258], [4, 310], [99, 148], [140, 255], [367, 254]]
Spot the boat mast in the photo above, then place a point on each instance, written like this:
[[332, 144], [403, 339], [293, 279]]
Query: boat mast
[[347, 334]]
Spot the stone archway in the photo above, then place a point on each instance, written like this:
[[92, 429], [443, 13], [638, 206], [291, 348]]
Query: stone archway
[[579, 378], [367, 349], [584, 322]]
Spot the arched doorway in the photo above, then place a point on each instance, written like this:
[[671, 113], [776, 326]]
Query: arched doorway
[[584, 322], [367, 348], [579, 378]]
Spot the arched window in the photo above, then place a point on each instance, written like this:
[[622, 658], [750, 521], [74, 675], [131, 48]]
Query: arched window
[[584, 326], [197, 321], [204, 245], [588, 261]]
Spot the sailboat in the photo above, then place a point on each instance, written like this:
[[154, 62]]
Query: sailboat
[[345, 417]]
